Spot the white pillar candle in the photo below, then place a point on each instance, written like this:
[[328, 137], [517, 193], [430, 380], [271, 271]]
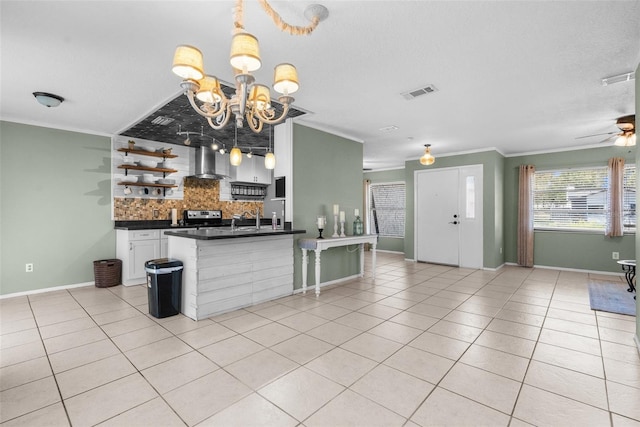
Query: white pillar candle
[[320, 224], [341, 216], [356, 212], [336, 209]]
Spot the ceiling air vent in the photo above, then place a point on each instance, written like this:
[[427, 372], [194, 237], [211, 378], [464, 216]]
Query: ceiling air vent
[[162, 120], [419, 92]]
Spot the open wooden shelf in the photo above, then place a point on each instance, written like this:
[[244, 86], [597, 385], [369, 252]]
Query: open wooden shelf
[[144, 184], [143, 168], [147, 153]]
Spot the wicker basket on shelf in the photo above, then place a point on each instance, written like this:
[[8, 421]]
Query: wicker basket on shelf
[[108, 272]]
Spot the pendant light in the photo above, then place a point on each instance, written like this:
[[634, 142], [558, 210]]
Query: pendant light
[[235, 155], [270, 158], [427, 158]]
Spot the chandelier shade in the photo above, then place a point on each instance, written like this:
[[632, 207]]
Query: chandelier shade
[[210, 90], [245, 53], [260, 97], [188, 63], [285, 79]]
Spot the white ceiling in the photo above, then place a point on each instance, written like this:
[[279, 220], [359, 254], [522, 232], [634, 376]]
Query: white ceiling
[[519, 76]]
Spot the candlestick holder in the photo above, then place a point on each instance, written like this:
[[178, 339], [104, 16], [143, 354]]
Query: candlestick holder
[[342, 229], [335, 226], [321, 224]]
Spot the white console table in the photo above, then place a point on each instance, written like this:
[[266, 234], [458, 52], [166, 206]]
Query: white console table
[[319, 245]]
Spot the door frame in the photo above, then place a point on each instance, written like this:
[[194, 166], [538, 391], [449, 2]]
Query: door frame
[[415, 206]]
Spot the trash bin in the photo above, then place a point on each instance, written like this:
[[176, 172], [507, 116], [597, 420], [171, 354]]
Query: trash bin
[[164, 286]]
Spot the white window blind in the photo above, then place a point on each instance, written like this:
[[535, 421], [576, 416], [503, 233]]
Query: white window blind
[[576, 199], [388, 209]]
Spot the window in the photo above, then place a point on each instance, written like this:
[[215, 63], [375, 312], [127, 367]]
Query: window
[[576, 199], [387, 213], [629, 198]]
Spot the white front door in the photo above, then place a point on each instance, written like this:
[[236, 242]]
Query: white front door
[[448, 216]]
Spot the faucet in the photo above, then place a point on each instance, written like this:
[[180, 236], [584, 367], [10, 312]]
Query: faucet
[[256, 215], [233, 221]]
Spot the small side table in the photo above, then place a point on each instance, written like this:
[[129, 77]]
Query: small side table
[[629, 268]]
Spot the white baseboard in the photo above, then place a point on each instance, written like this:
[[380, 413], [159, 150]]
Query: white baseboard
[[389, 252], [578, 270], [43, 290], [311, 288], [494, 269]]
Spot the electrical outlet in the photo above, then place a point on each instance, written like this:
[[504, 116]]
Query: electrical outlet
[[156, 213], [28, 268], [615, 255]]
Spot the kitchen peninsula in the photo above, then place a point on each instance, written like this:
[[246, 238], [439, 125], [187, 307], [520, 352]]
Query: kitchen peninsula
[[225, 270]]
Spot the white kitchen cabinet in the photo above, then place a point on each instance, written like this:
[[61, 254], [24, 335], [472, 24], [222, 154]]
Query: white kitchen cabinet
[[140, 252], [251, 170], [134, 248]]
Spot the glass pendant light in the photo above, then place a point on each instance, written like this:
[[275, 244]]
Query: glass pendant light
[[235, 155], [427, 158]]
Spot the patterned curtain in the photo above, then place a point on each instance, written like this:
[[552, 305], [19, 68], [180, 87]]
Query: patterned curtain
[[614, 227], [525, 215]]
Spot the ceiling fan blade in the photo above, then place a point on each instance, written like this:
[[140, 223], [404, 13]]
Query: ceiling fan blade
[[609, 138], [597, 134]]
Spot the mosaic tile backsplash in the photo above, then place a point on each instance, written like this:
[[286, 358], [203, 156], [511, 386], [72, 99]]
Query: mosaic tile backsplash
[[198, 194]]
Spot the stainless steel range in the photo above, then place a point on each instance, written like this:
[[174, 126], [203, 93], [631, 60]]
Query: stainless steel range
[[199, 218]]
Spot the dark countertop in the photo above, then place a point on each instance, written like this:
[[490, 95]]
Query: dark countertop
[[216, 233], [166, 224]]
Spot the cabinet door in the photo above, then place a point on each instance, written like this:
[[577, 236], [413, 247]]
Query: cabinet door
[[140, 252], [164, 247], [244, 172], [263, 175]]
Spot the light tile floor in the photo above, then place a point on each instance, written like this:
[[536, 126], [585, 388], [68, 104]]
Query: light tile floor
[[423, 345]]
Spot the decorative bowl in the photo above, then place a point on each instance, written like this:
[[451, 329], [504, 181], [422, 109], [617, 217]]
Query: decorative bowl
[[148, 163], [145, 148]]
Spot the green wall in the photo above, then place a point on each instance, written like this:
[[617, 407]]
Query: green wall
[[579, 250], [327, 170], [492, 163], [55, 206], [393, 244]]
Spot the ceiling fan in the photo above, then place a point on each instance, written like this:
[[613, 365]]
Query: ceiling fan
[[626, 137]]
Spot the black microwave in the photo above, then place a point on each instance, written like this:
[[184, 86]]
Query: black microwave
[[280, 191]]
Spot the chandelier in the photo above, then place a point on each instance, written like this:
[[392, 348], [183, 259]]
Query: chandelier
[[250, 100]]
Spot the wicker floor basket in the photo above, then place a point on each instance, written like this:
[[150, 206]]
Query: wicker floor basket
[[108, 272]]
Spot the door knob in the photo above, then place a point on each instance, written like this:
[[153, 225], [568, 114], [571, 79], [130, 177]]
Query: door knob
[[454, 222]]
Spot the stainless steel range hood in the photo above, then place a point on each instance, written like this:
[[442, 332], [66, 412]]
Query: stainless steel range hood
[[206, 164]]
